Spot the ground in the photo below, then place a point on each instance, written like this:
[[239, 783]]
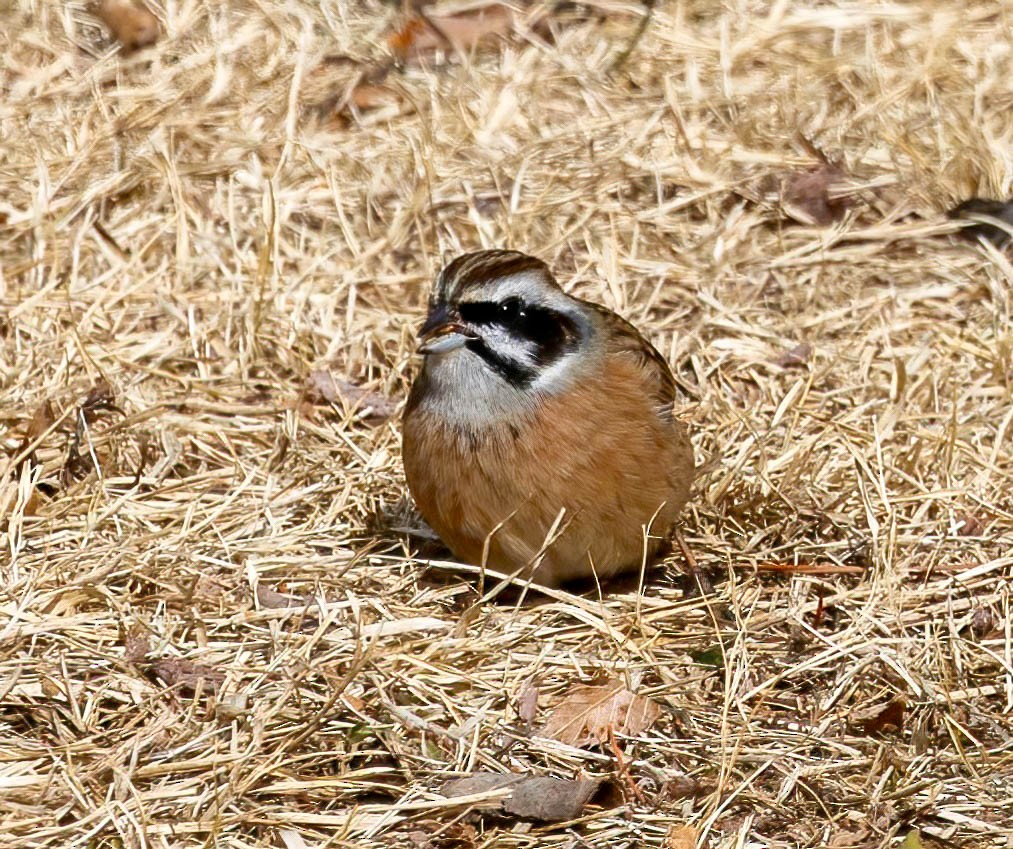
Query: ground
[[215, 629]]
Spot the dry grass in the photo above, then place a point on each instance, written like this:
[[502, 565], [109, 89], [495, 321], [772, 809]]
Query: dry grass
[[190, 226]]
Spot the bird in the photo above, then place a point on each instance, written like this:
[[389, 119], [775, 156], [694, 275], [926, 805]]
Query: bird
[[539, 437]]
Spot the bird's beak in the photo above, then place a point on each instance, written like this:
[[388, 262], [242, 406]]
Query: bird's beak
[[442, 332]]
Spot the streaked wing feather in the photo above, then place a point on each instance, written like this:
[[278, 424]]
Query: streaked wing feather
[[624, 338]]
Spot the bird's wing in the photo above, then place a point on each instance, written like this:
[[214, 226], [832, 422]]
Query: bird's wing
[[624, 339]]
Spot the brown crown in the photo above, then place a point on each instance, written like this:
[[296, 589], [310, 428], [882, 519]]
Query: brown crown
[[475, 269]]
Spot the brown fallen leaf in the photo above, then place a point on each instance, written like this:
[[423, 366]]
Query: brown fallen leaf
[[136, 643], [130, 23], [527, 702], [849, 839], [984, 622], [890, 717], [807, 196], [340, 88], [587, 713], [423, 34], [436, 834], [39, 424], [274, 600], [682, 787], [100, 399], [681, 837], [532, 797], [970, 525], [187, 675], [323, 387], [797, 356]]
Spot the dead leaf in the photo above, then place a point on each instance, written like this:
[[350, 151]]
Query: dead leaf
[[436, 834], [533, 797], [587, 712], [100, 399], [890, 717], [323, 387], [984, 622], [274, 600], [187, 675], [232, 706], [423, 34], [970, 525], [339, 88], [136, 643], [353, 703], [797, 356], [527, 702], [681, 837], [807, 196], [51, 688], [849, 839], [40, 423], [682, 787], [130, 23]]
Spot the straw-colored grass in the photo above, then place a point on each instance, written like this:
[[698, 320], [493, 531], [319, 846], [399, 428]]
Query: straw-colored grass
[[189, 237]]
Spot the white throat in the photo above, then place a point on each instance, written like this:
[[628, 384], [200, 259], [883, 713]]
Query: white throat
[[463, 391]]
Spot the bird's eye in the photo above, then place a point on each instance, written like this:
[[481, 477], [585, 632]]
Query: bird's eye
[[510, 310]]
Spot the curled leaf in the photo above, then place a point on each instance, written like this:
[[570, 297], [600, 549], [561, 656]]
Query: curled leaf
[[323, 387], [810, 196], [797, 356], [274, 600], [136, 643], [889, 717], [532, 797], [40, 423], [187, 675], [586, 714], [527, 702], [423, 34]]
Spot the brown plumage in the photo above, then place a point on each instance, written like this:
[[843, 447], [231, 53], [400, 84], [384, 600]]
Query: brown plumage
[[577, 417]]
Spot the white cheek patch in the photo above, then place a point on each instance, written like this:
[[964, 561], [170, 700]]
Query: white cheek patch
[[559, 375]]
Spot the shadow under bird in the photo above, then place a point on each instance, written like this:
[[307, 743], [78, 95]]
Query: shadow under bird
[[539, 436]]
